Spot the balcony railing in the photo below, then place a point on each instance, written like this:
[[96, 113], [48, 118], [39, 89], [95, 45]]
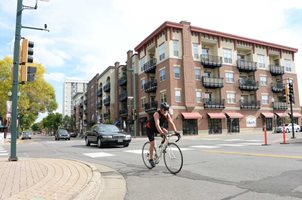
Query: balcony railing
[[150, 86], [252, 104], [123, 112], [99, 92], [123, 80], [107, 101], [210, 61], [277, 87], [107, 115], [213, 103], [248, 84], [209, 82], [280, 106], [246, 66], [151, 107], [106, 87], [100, 104], [150, 66], [276, 70], [123, 96]]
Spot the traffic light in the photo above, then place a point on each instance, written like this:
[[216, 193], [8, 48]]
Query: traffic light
[[28, 73], [291, 92], [26, 51], [285, 93]]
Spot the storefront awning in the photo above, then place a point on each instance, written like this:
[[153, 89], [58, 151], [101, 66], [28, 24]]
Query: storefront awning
[[216, 115], [191, 115], [282, 114], [268, 115], [234, 115], [297, 115]]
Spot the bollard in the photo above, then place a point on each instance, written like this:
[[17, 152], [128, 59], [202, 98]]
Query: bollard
[[284, 137], [265, 135]]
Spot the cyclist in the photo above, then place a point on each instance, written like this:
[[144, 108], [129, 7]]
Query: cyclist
[[156, 125]]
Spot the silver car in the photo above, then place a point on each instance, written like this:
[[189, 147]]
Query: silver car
[[288, 128]]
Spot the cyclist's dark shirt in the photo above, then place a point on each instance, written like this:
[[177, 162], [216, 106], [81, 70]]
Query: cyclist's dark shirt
[[162, 122]]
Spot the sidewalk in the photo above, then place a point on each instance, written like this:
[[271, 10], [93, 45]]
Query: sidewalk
[[43, 179]]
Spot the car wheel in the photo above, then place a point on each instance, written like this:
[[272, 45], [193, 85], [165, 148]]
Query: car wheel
[[126, 145], [99, 142], [297, 130], [87, 142]]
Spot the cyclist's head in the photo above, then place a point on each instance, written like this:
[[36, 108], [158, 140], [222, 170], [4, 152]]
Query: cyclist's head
[[164, 106]]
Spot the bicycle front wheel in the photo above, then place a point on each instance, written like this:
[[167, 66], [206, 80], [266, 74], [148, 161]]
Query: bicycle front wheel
[[173, 158], [146, 155]]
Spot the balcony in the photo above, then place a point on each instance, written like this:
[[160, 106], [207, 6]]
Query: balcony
[[123, 96], [276, 70], [277, 87], [246, 66], [106, 87], [150, 86], [213, 103], [209, 61], [252, 104], [99, 92], [107, 101], [107, 115], [123, 80], [100, 104], [123, 112], [150, 66], [248, 84], [81, 105], [209, 82], [151, 107], [280, 106]]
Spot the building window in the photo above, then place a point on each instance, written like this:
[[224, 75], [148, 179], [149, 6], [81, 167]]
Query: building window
[[227, 56], [142, 64], [197, 74], [261, 61], [161, 51], [143, 103], [195, 51], [263, 80], [265, 99], [176, 48], [176, 72], [231, 98], [142, 83], [288, 66], [162, 74], [198, 96], [229, 77], [177, 96], [163, 97]]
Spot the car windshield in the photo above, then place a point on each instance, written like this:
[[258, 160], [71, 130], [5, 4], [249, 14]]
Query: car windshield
[[108, 128], [62, 131]]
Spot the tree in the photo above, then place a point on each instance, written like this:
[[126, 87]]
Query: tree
[[52, 122], [68, 123], [34, 97]]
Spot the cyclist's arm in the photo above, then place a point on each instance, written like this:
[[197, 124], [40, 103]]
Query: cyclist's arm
[[156, 119], [170, 121]]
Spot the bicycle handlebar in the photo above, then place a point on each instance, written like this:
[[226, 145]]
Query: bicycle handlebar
[[175, 134]]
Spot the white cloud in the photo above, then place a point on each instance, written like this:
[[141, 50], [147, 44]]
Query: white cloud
[[54, 77]]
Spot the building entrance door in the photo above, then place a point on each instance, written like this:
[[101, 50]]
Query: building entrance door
[[190, 127]]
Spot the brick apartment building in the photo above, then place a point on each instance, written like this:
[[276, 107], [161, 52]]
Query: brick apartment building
[[215, 82]]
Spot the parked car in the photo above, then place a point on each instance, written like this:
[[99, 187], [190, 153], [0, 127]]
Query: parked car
[[105, 134], [26, 135], [288, 128], [62, 134], [73, 134]]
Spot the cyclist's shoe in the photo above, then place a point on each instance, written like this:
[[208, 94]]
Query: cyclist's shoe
[[152, 163]]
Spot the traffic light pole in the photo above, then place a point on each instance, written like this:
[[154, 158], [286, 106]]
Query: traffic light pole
[[13, 150], [292, 119]]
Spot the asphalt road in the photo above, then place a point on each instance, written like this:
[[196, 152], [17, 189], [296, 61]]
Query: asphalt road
[[215, 167]]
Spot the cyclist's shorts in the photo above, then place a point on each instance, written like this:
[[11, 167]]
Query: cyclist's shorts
[[150, 134]]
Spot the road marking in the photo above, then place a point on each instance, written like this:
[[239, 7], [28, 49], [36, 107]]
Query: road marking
[[210, 139], [251, 144], [233, 140], [205, 146], [98, 154], [3, 154], [137, 151], [254, 154], [2, 151], [231, 145]]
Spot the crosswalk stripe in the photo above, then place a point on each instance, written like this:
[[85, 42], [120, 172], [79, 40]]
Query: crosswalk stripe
[[3, 154], [233, 140], [98, 154], [210, 139], [251, 144], [137, 151], [2, 151], [205, 146], [231, 145]]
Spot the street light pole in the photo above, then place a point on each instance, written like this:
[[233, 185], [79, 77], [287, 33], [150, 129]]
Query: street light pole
[[13, 151], [134, 102]]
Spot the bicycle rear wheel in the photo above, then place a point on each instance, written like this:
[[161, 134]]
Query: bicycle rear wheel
[[146, 155], [173, 158]]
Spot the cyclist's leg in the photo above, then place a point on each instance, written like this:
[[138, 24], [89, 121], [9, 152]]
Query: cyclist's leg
[[150, 134]]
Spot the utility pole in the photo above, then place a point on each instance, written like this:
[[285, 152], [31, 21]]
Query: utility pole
[[134, 102], [13, 151]]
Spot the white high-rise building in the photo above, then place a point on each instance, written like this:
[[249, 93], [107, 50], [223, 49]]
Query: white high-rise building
[[70, 89]]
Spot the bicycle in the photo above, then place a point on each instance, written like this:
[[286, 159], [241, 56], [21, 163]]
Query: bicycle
[[173, 158]]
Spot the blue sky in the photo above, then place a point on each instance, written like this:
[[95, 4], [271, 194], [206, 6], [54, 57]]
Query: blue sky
[[88, 36]]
